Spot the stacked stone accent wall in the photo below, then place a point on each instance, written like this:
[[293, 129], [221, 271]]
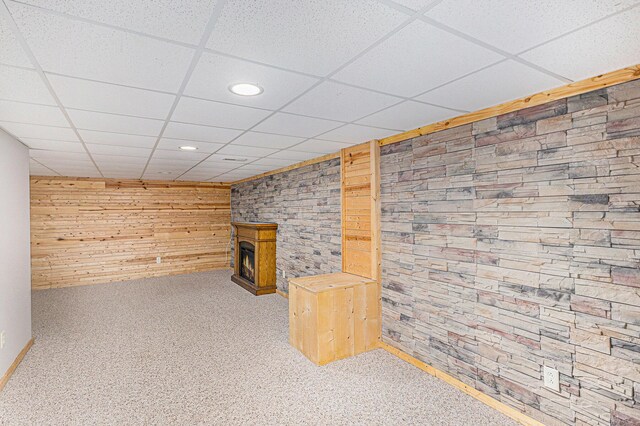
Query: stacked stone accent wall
[[305, 203], [514, 243]]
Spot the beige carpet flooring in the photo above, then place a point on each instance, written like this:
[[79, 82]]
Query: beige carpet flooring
[[197, 349]]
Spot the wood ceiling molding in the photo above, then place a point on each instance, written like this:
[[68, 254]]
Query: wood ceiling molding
[[291, 167], [572, 89]]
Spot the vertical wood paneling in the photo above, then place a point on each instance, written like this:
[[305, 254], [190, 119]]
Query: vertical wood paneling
[[87, 231], [360, 206]]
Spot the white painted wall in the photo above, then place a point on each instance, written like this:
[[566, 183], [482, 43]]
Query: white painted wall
[[15, 262]]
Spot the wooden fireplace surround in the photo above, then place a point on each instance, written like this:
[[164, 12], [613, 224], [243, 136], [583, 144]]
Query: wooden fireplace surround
[[263, 238]]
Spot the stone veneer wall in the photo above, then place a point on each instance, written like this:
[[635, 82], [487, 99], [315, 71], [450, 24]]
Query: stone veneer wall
[[305, 203], [514, 243]]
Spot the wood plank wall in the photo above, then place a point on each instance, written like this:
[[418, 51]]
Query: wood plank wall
[[361, 209], [88, 231]]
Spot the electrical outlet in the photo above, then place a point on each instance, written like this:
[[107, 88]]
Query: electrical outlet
[[284, 274], [552, 378], [2, 339], [158, 260]]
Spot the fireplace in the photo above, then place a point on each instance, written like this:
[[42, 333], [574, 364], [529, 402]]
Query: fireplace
[[247, 261], [254, 259]]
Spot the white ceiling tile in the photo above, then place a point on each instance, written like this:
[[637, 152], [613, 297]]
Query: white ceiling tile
[[90, 120], [164, 173], [44, 115], [176, 20], [175, 144], [209, 171], [212, 169], [21, 130], [320, 147], [118, 139], [309, 36], [173, 163], [23, 85], [212, 166], [110, 168], [294, 155], [197, 111], [119, 150], [179, 155], [296, 125], [59, 155], [12, 53], [417, 58], [355, 134], [408, 115], [414, 4], [121, 174], [37, 169], [274, 162], [335, 101], [160, 176], [188, 177], [256, 168], [606, 46], [499, 83], [248, 151], [194, 132], [236, 174], [266, 140], [53, 145], [119, 160], [236, 160], [72, 172], [103, 97], [514, 26], [100, 53], [279, 86]]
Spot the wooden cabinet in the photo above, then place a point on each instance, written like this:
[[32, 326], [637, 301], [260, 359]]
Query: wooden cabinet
[[333, 316], [257, 275]]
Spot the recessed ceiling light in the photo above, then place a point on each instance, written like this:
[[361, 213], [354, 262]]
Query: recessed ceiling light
[[188, 148], [234, 159], [165, 173], [246, 89]]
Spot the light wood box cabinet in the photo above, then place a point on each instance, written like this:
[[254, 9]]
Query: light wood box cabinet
[[333, 316]]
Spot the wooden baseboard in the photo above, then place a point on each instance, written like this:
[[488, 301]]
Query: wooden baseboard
[[282, 293], [15, 364], [486, 399]]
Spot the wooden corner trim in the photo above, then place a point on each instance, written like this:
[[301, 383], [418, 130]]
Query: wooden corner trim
[[15, 364], [291, 167], [572, 89], [482, 397]]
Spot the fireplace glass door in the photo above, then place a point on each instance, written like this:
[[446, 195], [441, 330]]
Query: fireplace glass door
[[247, 261]]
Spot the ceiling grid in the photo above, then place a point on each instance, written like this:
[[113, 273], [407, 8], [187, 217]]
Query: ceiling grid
[[114, 89]]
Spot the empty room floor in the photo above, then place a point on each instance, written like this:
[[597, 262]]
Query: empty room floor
[[197, 349]]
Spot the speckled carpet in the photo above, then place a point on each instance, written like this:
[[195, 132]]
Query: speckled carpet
[[198, 349]]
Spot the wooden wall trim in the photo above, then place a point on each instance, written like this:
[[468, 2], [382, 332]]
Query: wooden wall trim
[[360, 182], [572, 89], [482, 397], [291, 167], [5, 378]]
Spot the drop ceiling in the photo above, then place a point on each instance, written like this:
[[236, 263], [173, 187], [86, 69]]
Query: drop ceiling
[[114, 88]]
